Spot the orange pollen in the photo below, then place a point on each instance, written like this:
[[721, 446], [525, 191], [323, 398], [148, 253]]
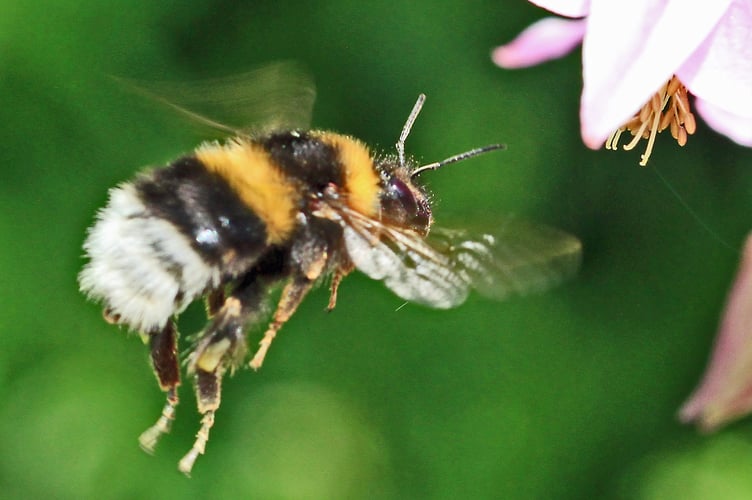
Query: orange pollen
[[668, 108]]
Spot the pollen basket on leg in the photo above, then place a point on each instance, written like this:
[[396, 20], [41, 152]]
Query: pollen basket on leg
[[246, 166], [361, 179]]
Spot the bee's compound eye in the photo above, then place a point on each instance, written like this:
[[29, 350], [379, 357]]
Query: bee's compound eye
[[405, 205], [400, 194]]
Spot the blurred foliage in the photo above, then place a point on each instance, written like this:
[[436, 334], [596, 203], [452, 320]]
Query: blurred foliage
[[571, 394]]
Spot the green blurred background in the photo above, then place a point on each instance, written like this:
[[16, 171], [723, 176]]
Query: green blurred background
[[570, 394]]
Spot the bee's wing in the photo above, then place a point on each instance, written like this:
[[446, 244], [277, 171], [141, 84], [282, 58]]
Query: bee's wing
[[276, 96], [440, 270], [516, 259], [408, 266]]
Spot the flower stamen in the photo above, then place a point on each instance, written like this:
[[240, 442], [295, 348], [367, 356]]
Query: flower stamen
[[668, 108]]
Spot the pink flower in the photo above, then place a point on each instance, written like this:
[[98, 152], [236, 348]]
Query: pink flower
[[725, 392], [639, 60]]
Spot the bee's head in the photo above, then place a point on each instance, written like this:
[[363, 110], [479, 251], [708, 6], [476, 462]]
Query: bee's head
[[403, 203]]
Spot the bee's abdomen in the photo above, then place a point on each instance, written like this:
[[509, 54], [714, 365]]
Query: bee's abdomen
[[266, 191], [141, 266], [204, 207]]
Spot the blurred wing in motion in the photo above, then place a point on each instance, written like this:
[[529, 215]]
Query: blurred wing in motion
[[440, 270], [517, 259], [276, 96]]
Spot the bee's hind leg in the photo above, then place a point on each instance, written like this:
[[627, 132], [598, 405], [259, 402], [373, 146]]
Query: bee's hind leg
[[164, 359]]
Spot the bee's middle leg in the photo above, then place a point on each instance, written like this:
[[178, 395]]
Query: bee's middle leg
[[221, 346]]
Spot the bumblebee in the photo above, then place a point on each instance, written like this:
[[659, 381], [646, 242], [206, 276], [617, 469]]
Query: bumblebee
[[285, 207]]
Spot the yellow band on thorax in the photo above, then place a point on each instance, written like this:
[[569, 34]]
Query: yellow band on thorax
[[361, 179]]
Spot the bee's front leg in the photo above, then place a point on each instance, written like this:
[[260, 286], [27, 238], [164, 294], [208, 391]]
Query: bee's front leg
[[292, 295]]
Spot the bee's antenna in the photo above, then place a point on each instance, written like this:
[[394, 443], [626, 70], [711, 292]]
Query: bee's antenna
[[408, 126], [456, 158]]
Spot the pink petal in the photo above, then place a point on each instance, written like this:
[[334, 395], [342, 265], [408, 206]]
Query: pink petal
[[546, 39], [725, 392], [630, 50], [566, 8], [720, 70], [737, 128]]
